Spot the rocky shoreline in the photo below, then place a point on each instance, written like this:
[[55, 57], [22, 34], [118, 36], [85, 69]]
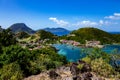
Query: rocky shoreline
[[71, 72]]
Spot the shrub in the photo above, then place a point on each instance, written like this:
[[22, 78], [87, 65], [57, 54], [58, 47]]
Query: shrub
[[97, 53], [45, 59], [31, 62], [102, 68], [7, 38], [11, 72], [80, 66], [22, 35], [87, 59], [115, 61], [36, 68], [15, 53]]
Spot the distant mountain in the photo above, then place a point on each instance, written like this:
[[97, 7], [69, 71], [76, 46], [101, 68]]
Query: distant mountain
[[114, 32], [57, 31], [21, 27]]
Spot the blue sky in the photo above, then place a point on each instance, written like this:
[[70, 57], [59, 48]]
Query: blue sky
[[69, 14]]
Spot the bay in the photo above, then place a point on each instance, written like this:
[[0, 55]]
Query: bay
[[74, 53]]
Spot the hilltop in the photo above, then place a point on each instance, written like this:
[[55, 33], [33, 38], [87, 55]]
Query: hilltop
[[21, 27], [90, 33], [45, 34], [39, 35]]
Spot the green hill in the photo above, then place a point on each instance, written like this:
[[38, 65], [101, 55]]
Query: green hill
[[21, 35], [45, 34], [90, 33], [39, 35]]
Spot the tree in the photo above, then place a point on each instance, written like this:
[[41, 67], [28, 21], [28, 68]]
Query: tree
[[97, 53], [15, 53], [102, 68], [11, 72], [45, 35], [7, 38], [115, 61], [22, 35]]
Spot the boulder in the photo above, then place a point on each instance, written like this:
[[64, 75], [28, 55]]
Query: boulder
[[86, 68], [81, 62], [77, 78], [87, 76], [74, 70], [53, 74]]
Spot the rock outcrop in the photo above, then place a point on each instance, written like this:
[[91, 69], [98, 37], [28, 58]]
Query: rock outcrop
[[71, 72]]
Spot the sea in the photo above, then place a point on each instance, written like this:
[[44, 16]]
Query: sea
[[74, 53]]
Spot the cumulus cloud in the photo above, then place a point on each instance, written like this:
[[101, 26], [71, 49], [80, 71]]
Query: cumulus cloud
[[115, 16], [59, 22], [106, 23], [101, 22], [94, 24], [86, 23]]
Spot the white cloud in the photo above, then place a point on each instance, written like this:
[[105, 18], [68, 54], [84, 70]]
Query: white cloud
[[86, 23], [59, 22], [101, 22], [106, 23], [115, 16], [94, 24]]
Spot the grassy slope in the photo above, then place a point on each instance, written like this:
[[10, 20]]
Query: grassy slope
[[83, 34]]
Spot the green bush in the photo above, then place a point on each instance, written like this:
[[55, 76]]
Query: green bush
[[36, 68], [31, 62], [43, 62], [45, 35], [115, 57], [44, 59], [16, 61], [87, 59], [102, 68], [80, 66], [15, 53], [22, 35], [11, 72], [7, 38], [98, 53]]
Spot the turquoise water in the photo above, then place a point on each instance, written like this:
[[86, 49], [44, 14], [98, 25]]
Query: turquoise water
[[73, 53]]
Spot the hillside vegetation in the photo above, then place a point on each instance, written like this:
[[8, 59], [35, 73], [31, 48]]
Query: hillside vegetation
[[39, 35], [45, 34], [89, 33], [17, 62]]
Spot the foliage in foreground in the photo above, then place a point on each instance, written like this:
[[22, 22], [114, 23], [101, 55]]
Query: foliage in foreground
[[101, 63], [102, 68], [11, 71], [15, 59], [7, 38]]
